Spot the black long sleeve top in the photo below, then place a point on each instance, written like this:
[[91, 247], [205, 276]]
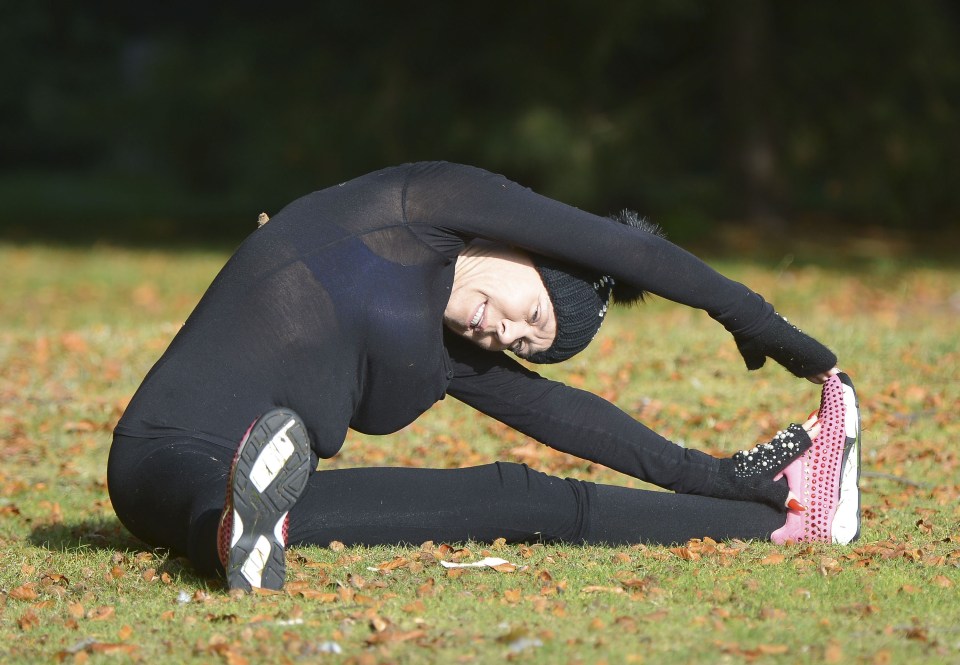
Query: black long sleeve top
[[335, 309]]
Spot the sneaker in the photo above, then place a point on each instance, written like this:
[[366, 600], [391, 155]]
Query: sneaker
[[267, 476], [826, 478]]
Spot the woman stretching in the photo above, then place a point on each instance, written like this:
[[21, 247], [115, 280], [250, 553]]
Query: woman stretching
[[361, 305]]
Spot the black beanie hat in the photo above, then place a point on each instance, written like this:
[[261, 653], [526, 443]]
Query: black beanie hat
[[579, 304], [580, 298]]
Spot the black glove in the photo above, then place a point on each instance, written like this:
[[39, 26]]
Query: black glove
[[748, 475], [789, 346]]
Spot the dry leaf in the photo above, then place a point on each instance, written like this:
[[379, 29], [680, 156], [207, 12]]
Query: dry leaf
[[389, 636], [427, 588], [942, 581], [101, 613], [416, 607], [512, 596], [833, 653], [24, 592], [28, 621], [602, 589]]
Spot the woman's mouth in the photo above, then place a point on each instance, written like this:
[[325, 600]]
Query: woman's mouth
[[477, 320]]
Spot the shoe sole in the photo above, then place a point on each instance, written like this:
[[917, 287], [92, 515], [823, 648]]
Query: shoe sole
[[846, 522], [268, 477]]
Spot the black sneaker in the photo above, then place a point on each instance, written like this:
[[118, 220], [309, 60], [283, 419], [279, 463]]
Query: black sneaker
[[268, 475]]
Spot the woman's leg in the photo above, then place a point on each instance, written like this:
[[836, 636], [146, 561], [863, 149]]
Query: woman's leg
[[169, 492], [373, 506]]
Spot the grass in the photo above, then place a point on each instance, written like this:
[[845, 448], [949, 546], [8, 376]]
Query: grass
[[80, 327]]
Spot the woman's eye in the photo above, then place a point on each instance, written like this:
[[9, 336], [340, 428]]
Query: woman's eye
[[536, 315]]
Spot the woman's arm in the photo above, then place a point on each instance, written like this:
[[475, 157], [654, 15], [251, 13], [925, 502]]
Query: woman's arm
[[573, 421], [473, 203]]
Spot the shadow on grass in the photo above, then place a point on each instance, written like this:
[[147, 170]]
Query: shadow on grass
[[91, 534], [108, 534]]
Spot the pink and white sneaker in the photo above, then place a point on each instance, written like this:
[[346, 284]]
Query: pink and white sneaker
[[268, 475], [826, 478]]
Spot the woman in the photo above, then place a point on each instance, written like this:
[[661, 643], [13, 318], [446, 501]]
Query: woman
[[361, 305]]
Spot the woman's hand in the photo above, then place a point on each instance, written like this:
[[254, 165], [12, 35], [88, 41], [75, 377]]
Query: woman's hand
[[823, 377]]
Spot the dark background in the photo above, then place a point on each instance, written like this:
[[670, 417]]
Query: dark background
[[157, 122]]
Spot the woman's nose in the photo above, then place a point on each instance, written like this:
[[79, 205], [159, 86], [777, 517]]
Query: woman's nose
[[509, 331]]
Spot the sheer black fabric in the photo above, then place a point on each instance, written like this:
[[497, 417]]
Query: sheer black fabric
[[334, 309]]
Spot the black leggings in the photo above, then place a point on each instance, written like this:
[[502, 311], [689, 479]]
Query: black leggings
[[169, 492]]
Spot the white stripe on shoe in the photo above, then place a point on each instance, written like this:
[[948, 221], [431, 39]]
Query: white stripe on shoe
[[272, 458], [846, 521], [237, 529], [257, 560]]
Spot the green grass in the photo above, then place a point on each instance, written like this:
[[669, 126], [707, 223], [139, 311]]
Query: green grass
[[79, 328]]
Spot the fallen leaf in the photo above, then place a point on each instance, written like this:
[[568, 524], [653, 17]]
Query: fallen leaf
[[389, 636], [833, 653], [416, 607], [101, 613], [602, 589], [942, 581], [512, 596], [24, 592], [28, 621], [427, 588]]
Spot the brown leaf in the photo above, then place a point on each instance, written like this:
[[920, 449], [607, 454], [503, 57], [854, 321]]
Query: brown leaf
[[125, 633], [398, 562], [602, 589], [28, 621], [773, 559], [389, 636], [51, 578], [356, 581], [658, 615], [942, 581], [512, 596], [833, 652], [427, 588], [101, 613], [416, 607], [24, 592], [102, 647], [685, 553]]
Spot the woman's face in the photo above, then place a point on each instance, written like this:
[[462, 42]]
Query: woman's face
[[498, 301]]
